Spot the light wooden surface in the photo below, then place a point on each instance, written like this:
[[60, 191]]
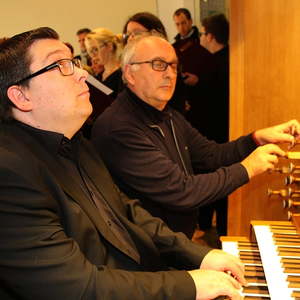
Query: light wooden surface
[[264, 91]]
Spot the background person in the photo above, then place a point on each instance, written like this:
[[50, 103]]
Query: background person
[[106, 48], [211, 116], [140, 23], [195, 63], [193, 58], [145, 22], [84, 57]]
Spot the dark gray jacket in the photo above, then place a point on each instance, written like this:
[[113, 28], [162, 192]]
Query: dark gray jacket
[[160, 159]]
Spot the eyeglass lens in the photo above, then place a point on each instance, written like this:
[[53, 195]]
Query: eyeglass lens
[[66, 67], [134, 33], [160, 65]]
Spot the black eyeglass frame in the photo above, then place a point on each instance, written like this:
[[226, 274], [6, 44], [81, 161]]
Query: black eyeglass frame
[[125, 36], [74, 62], [152, 62], [202, 33]]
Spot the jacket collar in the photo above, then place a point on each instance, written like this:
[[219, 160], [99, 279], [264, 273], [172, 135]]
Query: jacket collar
[[194, 34], [153, 115]]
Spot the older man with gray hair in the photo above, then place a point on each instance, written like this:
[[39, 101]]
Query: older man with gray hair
[[154, 154]]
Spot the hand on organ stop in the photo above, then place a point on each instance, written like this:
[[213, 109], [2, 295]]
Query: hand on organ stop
[[262, 159]]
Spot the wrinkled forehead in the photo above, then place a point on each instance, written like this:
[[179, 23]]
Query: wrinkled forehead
[[155, 47]]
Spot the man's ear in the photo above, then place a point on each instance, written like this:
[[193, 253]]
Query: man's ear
[[17, 96], [129, 74]]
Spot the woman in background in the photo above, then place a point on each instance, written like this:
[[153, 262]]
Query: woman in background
[[140, 23], [144, 22], [106, 48]]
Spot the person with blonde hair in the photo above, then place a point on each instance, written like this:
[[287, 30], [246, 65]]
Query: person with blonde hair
[[106, 47]]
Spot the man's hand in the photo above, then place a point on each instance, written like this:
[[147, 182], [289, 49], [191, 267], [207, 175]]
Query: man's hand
[[262, 159], [220, 274], [286, 132], [210, 284], [219, 260], [191, 79]]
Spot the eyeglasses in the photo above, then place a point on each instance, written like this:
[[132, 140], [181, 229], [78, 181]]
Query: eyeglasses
[[158, 65], [65, 66], [95, 50], [126, 36]]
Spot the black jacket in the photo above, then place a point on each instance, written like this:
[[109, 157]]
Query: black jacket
[[193, 36], [195, 59], [54, 243], [155, 155], [210, 110]]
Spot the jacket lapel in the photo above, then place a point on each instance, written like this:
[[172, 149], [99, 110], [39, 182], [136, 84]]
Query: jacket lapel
[[71, 188]]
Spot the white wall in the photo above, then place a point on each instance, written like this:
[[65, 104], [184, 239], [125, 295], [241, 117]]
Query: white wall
[[67, 16]]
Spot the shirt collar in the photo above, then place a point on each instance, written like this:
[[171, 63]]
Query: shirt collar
[[191, 32], [55, 142]]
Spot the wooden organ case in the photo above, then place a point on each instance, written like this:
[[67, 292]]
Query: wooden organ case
[[264, 91], [272, 253]]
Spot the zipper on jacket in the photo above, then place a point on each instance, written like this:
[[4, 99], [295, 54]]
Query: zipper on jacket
[[157, 127], [176, 143], [178, 149]]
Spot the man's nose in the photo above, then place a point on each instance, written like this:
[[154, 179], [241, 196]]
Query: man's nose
[[80, 73], [170, 72]]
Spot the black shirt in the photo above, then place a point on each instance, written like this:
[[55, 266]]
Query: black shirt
[[67, 151]]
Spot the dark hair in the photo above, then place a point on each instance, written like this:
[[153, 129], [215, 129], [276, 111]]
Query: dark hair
[[15, 63], [70, 47], [2, 40], [83, 30], [184, 11], [218, 26], [149, 21]]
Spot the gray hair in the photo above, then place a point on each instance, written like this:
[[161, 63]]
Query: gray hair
[[130, 49]]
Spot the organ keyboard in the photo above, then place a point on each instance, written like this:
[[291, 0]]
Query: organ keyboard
[[272, 259], [272, 263]]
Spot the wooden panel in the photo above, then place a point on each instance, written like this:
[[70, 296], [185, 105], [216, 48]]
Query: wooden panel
[[264, 84]]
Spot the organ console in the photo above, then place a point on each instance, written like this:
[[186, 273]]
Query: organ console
[[290, 169], [272, 254], [291, 179], [293, 169], [290, 202]]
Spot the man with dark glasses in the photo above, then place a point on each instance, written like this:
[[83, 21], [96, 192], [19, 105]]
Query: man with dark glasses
[[155, 155]]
